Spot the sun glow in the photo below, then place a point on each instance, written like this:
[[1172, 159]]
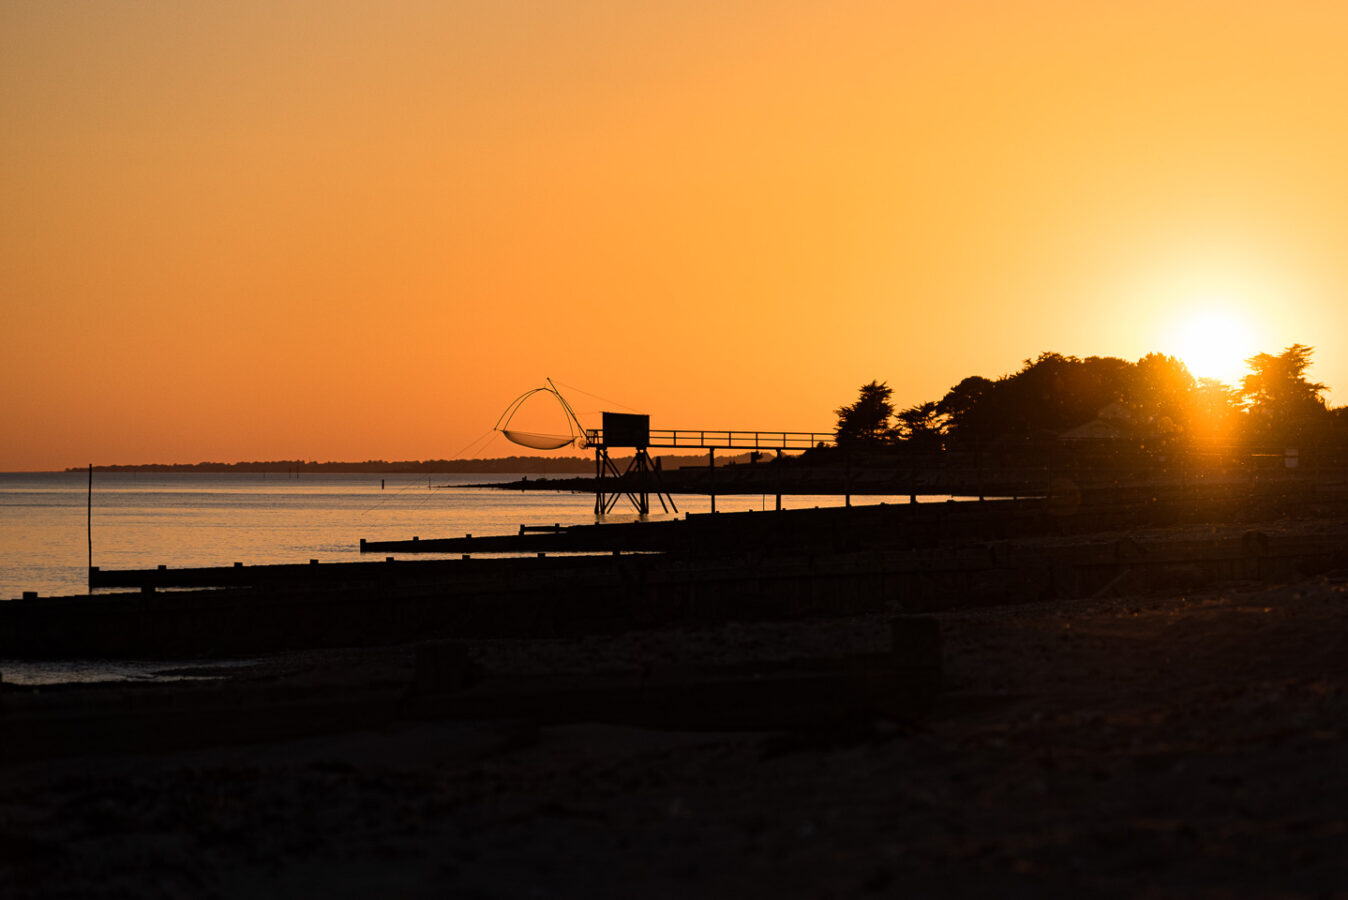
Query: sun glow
[[1214, 342]]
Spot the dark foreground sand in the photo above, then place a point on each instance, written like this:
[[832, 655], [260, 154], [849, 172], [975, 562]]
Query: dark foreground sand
[[1152, 745]]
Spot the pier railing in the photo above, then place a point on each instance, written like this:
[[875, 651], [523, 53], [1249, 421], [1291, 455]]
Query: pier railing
[[727, 440]]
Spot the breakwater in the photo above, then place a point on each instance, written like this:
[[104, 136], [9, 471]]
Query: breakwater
[[703, 569]]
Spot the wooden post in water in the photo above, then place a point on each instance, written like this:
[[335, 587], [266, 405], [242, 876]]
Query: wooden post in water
[[89, 523], [847, 478], [778, 464], [711, 476]]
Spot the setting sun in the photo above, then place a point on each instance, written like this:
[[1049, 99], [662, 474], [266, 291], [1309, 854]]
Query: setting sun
[[1214, 343]]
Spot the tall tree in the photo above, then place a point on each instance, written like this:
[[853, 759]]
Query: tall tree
[[1160, 396], [866, 423], [967, 415], [1214, 411], [921, 425], [1054, 392], [1278, 395]]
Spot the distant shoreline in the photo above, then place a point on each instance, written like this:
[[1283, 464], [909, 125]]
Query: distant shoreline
[[505, 464], [550, 465]]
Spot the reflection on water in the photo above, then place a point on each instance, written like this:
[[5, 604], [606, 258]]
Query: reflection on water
[[141, 520], [200, 519]]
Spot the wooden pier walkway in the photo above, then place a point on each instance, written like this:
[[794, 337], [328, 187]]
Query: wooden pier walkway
[[711, 439]]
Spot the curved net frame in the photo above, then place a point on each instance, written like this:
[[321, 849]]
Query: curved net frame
[[534, 440]]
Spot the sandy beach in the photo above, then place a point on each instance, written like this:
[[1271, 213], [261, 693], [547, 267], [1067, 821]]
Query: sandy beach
[[1158, 744]]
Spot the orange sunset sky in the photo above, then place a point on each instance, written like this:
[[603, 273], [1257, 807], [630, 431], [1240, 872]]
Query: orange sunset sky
[[330, 230]]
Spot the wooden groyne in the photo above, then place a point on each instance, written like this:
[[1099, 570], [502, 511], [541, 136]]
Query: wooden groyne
[[571, 596], [701, 569], [1068, 511], [387, 572]]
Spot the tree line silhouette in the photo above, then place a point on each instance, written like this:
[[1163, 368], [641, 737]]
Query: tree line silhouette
[[1155, 398]]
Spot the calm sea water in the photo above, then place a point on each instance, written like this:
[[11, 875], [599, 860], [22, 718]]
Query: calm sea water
[[198, 519]]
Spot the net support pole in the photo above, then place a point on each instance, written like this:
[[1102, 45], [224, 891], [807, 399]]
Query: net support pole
[[598, 480], [643, 483], [89, 523]]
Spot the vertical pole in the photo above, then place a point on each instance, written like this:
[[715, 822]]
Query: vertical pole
[[643, 473], [711, 476], [778, 463], [847, 478], [598, 480], [89, 523]]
